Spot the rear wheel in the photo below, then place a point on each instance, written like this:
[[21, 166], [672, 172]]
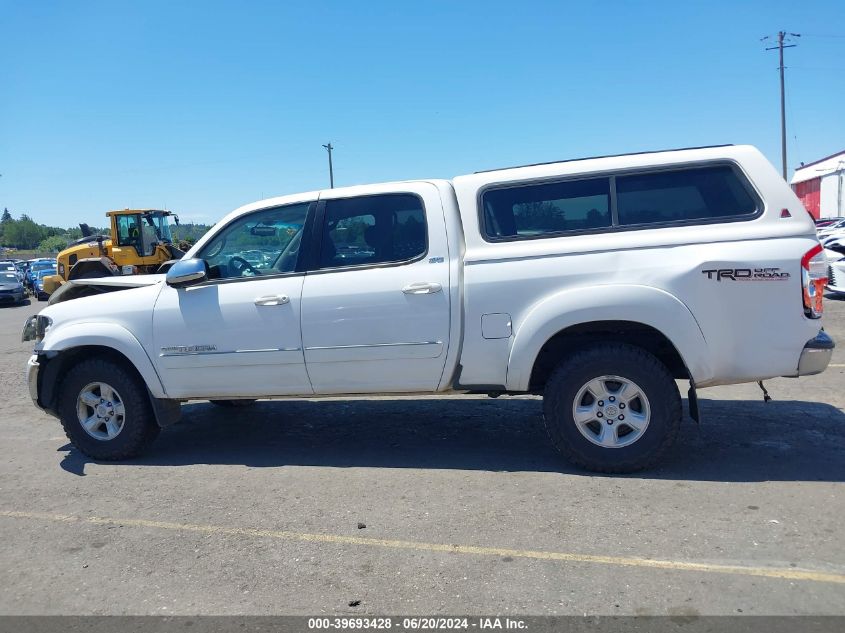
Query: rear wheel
[[612, 408], [105, 410]]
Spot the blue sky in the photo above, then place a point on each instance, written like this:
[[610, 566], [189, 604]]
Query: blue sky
[[204, 106]]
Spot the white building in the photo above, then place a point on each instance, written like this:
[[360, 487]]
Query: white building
[[820, 186]]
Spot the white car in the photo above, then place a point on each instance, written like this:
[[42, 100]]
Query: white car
[[837, 226], [596, 283], [833, 236], [835, 254]]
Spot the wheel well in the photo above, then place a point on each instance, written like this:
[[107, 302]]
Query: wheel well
[[55, 368], [581, 335]]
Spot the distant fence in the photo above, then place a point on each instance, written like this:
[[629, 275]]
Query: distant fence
[[10, 254]]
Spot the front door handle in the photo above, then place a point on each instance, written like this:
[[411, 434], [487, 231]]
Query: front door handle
[[272, 300], [422, 288]]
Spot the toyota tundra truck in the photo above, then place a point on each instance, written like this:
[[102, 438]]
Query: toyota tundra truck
[[596, 283]]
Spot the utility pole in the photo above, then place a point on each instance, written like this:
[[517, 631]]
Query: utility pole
[[329, 149], [782, 38]]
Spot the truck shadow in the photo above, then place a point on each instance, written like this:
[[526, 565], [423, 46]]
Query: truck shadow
[[739, 440]]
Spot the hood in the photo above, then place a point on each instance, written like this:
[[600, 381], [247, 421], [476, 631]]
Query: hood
[[79, 288], [10, 285], [130, 308], [121, 281]]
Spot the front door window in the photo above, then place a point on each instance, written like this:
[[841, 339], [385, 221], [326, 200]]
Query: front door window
[[262, 243]]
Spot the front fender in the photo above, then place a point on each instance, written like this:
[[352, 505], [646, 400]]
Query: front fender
[[641, 304], [109, 335]]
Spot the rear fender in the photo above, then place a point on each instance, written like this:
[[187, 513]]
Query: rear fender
[[641, 304]]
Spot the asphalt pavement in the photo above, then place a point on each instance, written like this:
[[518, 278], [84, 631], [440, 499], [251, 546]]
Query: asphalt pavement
[[430, 505]]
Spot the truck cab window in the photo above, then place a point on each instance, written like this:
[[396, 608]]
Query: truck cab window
[[373, 230]]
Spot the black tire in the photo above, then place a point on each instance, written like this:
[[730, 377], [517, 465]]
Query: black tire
[[139, 425], [625, 361], [233, 404]]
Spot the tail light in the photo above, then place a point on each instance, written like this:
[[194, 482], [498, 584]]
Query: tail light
[[813, 281]]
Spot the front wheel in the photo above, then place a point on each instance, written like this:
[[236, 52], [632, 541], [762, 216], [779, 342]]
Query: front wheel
[[105, 410], [612, 408]]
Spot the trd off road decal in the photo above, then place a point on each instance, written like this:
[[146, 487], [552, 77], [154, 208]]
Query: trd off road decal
[[746, 274]]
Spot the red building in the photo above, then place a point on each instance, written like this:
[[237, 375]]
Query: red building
[[820, 186]]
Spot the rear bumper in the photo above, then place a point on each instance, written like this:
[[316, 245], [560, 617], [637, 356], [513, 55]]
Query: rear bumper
[[816, 354]]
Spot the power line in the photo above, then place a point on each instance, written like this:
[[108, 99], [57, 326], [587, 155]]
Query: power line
[[838, 37], [782, 38]]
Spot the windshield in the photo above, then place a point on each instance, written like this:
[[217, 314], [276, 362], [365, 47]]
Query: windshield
[[160, 226], [44, 273], [8, 278]]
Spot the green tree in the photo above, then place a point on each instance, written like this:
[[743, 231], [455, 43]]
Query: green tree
[[53, 244], [23, 233], [7, 217]]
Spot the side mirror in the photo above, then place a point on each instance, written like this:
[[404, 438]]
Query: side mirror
[[187, 272]]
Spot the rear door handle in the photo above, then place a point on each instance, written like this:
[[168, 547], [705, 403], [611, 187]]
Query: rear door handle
[[422, 288], [272, 300]]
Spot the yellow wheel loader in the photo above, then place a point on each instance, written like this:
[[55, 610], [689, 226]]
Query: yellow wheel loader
[[140, 243]]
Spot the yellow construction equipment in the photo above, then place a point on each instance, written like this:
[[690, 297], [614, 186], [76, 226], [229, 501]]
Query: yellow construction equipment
[[140, 243]]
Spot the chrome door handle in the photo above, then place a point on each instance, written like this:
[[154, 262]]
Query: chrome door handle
[[272, 300], [422, 288]]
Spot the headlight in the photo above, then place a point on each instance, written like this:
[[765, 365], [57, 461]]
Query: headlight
[[35, 328]]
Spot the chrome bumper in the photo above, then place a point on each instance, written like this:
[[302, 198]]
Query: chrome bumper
[[816, 354], [32, 368]]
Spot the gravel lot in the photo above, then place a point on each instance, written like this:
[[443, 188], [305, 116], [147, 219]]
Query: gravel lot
[[466, 509]]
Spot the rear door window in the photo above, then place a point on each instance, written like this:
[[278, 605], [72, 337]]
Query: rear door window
[[372, 230]]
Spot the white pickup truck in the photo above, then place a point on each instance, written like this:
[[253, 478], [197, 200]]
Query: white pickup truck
[[597, 283]]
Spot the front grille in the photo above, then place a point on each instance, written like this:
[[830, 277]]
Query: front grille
[[831, 277]]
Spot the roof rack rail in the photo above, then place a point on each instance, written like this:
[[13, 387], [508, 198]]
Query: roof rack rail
[[571, 160]]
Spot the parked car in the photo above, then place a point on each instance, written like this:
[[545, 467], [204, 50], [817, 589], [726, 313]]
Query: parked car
[[11, 288], [831, 236], [38, 283], [34, 267], [596, 283], [834, 250], [835, 226], [8, 267]]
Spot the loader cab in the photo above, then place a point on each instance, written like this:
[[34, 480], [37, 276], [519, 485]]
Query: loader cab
[[141, 230]]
